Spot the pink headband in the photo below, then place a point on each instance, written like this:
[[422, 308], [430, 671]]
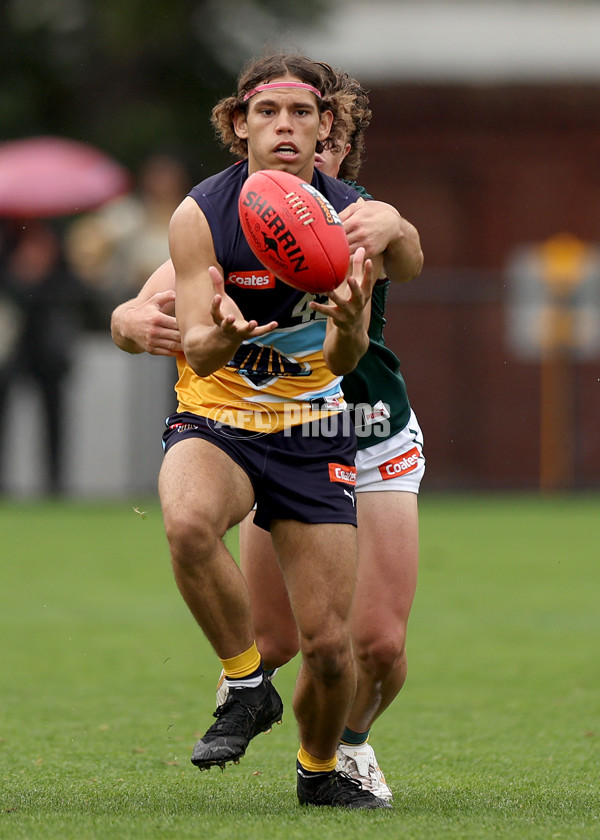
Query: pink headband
[[270, 85]]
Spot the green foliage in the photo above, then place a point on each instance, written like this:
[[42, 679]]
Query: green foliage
[[129, 76], [106, 682]]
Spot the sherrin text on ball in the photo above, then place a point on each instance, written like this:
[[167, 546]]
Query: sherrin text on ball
[[294, 231]]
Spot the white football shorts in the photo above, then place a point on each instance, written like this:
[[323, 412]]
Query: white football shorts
[[397, 463]]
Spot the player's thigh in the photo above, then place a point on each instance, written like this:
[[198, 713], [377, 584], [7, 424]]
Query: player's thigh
[[388, 557], [200, 482], [319, 567]]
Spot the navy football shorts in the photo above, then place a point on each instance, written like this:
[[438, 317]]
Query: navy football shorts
[[299, 473]]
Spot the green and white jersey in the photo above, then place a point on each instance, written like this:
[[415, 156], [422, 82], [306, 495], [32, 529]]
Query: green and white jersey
[[376, 382]]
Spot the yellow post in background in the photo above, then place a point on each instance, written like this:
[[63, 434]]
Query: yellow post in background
[[563, 264]]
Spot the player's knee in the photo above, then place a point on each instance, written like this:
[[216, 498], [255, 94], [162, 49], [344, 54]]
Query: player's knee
[[328, 656], [380, 655], [190, 538]]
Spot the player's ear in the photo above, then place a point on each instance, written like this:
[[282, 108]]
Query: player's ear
[[325, 124], [240, 125]]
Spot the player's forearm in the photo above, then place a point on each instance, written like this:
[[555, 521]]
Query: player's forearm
[[119, 329], [343, 349], [403, 257], [206, 349]]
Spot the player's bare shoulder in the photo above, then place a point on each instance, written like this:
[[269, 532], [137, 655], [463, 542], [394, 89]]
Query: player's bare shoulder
[[190, 238]]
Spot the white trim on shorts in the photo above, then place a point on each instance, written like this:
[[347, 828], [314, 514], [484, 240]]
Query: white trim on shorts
[[396, 463]]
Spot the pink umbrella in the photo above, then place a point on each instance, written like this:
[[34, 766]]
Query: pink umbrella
[[52, 176]]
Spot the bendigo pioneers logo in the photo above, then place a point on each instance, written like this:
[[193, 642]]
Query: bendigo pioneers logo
[[401, 465], [261, 364]]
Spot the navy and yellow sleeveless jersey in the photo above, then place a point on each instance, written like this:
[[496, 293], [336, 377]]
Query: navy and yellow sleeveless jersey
[[279, 379]]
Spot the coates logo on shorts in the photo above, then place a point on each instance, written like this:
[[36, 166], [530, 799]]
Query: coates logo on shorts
[[255, 419], [401, 465], [342, 474]]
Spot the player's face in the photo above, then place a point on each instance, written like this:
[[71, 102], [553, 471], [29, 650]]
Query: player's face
[[282, 127], [329, 162]]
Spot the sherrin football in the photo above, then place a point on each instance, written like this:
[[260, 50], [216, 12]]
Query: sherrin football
[[294, 231]]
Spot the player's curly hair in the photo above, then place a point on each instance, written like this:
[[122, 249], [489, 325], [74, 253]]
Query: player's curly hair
[[259, 72], [341, 94], [352, 116]]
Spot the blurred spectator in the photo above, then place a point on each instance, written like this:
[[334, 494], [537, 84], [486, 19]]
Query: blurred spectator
[[118, 247], [43, 307]]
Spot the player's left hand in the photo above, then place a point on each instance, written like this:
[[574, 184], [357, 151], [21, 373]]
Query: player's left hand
[[347, 303]]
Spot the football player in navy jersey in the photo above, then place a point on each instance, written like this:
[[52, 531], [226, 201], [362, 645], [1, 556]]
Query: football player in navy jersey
[[146, 323], [280, 114]]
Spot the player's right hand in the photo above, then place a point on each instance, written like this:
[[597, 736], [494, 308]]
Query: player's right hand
[[227, 315]]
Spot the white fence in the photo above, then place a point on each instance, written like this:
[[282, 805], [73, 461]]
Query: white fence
[[114, 419]]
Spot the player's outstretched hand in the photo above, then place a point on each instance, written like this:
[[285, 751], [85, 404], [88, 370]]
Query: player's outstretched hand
[[347, 303], [227, 315], [152, 325]]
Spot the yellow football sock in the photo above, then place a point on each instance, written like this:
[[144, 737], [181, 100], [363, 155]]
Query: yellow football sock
[[316, 765], [242, 665]]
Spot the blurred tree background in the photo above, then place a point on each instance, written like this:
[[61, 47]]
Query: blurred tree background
[[132, 76]]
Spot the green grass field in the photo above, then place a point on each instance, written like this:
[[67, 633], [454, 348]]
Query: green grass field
[[106, 683]]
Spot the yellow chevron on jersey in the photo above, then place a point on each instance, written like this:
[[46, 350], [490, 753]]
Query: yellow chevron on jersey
[[271, 404]]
